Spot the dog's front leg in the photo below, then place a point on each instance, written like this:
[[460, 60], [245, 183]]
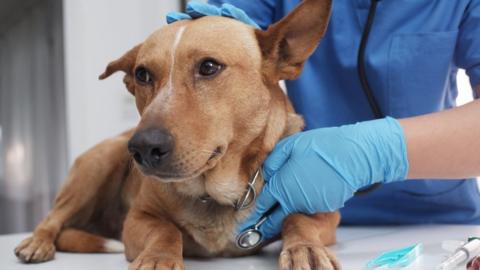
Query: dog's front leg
[[304, 241], [102, 164], [152, 243]]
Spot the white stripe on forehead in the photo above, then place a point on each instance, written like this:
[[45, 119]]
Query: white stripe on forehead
[[159, 100], [176, 42]]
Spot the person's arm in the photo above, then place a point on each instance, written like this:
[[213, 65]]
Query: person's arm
[[319, 170], [444, 144]]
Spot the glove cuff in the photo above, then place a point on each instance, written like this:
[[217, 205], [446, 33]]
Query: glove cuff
[[390, 150]]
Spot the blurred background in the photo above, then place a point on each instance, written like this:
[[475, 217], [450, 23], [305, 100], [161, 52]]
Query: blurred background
[[52, 107]]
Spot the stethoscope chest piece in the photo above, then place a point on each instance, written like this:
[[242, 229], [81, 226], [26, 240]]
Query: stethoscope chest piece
[[249, 239]]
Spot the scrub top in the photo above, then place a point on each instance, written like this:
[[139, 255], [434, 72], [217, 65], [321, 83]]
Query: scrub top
[[412, 57]]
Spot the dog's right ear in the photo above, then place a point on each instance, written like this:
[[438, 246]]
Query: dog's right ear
[[126, 64], [287, 44]]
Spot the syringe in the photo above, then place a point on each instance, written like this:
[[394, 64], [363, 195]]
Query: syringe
[[461, 255]]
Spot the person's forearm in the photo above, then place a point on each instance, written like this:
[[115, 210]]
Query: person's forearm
[[444, 144]]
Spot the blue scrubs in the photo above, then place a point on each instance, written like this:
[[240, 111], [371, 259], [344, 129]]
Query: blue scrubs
[[413, 54]]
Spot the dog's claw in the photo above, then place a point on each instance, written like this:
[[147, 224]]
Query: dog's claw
[[34, 250], [308, 258]]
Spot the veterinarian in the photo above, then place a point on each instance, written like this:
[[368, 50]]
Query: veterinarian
[[414, 51]]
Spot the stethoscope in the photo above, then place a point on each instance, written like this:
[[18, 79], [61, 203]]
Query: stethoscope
[[252, 237]]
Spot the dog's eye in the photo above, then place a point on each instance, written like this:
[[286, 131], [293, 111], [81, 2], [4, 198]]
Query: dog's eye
[[143, 76], [209, 68]]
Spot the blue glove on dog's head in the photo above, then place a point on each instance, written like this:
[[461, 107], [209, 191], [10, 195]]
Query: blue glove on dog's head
[[197, 9]]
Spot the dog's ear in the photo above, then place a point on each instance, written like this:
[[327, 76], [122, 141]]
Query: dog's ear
[[126, 64], [287, 44]]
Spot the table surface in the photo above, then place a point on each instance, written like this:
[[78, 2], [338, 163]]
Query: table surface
[[356, 246]]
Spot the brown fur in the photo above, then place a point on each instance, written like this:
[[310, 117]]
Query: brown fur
[[241, 111], [72, 240]]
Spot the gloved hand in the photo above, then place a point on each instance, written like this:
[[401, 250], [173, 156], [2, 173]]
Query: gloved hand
[[197, 9], [319, 170]]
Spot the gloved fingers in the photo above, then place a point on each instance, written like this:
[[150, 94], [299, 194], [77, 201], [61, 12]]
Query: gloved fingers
[[278, 157], [198, 9], [264, 202], [177, 16], [273, 225], [238, 14]]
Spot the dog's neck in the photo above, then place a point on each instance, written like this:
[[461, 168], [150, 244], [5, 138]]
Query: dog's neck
[[227, 182]]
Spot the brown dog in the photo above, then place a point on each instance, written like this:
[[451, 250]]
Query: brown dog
[[211, 110]]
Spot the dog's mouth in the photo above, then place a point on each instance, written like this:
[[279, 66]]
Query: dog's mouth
[[170, 176], [216, 154], [176, 177]]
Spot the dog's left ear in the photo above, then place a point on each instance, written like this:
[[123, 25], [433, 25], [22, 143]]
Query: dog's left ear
[[126, 63], [287, 44]]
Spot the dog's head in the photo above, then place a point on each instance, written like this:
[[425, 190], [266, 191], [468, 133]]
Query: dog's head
[[206, 87]]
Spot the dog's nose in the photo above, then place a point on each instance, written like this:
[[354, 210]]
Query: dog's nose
[[150, 147]]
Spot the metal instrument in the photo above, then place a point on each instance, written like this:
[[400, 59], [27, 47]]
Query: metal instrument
[[252, 237]]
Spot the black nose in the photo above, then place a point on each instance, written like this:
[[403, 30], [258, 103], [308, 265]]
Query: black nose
[[151, 147]]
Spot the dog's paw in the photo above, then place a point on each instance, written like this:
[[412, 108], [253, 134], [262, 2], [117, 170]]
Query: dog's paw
[[308, 257], [156, 262], [35, 250]]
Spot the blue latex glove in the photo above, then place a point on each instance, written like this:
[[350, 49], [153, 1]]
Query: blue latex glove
[[197, 9], [319, 170]]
